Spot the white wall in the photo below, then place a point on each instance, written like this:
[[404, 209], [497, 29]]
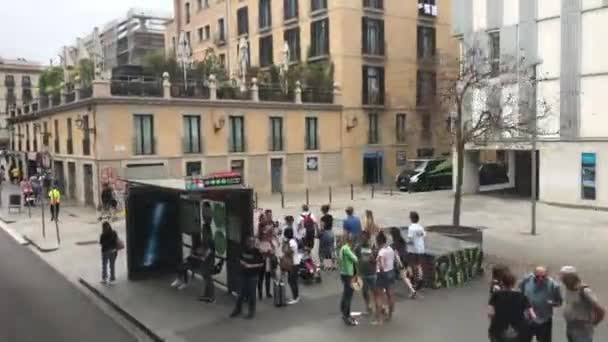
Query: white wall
[[547, 8], [560, 173], [594, 117], [548, 107], [588, 4], [510, 12], [549, 48], [594, 50], [480, 15]]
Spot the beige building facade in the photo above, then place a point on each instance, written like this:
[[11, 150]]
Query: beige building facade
[[384, 53]]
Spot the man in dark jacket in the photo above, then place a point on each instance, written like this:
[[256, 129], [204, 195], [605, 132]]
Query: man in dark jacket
[[109, 250], [251, 262]]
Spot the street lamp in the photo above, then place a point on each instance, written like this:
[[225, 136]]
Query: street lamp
[[81, 125]]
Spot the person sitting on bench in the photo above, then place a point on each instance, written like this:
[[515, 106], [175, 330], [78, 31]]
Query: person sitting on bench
[[192, 263]]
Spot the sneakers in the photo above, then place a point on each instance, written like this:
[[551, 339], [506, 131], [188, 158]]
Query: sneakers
[[293, 301], [182, 286], [176, 283], [206, 299], [350, 321], [234, 314], [103, 281], [112, 282]]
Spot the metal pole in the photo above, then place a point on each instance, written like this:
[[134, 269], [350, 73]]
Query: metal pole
[[282, 199], [352, 193], [330, 194], [42, 206], [307, 197], [256, 200], [533, 157], [57, 231], [373, 188]]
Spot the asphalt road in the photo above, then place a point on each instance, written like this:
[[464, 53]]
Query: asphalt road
[[38, 304]]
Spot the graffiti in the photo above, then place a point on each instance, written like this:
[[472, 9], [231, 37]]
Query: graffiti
[[457, 268], [110, 176]]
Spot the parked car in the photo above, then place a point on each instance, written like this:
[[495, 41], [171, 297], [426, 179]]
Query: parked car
[[425, 175], [493, 173]]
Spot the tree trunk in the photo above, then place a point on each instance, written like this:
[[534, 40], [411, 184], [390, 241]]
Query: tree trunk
[[459, 171]]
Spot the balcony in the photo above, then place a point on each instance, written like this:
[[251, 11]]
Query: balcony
[[219, 39], [275, 94], [85, 92], [136, 86], [316, 95], [70, 97], [427, 8], [198, 90], [55, 100]]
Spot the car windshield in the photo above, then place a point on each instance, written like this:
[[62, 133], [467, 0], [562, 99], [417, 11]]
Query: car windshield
[[416, 165]]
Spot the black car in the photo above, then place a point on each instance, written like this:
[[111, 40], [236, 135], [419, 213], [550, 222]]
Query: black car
[[426, 174], [493, 173]]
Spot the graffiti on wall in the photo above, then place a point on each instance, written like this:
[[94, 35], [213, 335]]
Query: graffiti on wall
[[110, 176], [457, 268]]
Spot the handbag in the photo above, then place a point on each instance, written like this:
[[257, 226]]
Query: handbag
[[120, 245], [357, 283], [510, 335]]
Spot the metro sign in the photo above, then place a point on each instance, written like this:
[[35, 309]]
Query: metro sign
[[213, 180]]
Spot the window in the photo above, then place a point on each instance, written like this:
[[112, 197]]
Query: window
[[318, 5], [373, 36], [401, 126], [173, 44], [427, 7], [461, 56], [373, 85], [45, 134], [70, 143], [265, 16], [426, 126], [312, 134], [495, 52], [199, 4], [290, 8], [238, 166], [189, 38], [292, 37], [237, 134], [372, 134], [276, 134], [27, 137], [223, 59], [20, 137], [26, 95], [26, 82], [86, 141], [194, 168], [200, 34], [35, 134], [425, 87], [9, 80], [192, 134], [588, 175], [207, 33], [375, 4], [144, 134], [221, 30], [319, 32], [242, 19], [187, 13], [56, 136], [266, 51], [426, 42]]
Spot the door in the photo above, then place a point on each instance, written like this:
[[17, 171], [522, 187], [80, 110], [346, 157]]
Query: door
[[276, 175], [88, 185], [59, 176], [372, 168], [72, 180]]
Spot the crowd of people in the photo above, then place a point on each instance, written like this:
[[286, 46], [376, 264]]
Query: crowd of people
[[520, 313]]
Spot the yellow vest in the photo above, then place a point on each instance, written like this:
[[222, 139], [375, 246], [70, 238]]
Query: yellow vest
[[55, 196]]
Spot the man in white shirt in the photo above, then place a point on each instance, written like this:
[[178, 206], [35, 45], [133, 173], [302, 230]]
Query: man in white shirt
[[415, 239]]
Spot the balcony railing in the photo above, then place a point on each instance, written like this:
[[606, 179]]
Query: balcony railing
[[55, 100], [137, 87], [86, 92], [233, 93], [315, 95], [275, 94], [44, 102], [70, 97], [194, 90]]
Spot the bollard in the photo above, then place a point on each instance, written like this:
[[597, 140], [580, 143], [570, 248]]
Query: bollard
[[307, 198], [352, 193], [373, 188], [255, 205], [391, 192], [330, 194], [282, 200], [57, 232]]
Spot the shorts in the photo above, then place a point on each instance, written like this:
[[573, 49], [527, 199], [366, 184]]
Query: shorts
[[326, 245], [369, 282], [385, 280]]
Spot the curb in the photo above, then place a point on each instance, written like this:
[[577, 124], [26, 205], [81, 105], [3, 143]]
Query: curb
[[20, 239], [41, 249], [151, 334]]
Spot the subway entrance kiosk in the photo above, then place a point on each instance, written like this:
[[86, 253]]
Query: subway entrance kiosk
[[164, 219]]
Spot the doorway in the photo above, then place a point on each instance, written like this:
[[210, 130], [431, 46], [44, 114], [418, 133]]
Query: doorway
[[59, 176], [72, 180], [276, 175], [372, 168], [523, 173], [88, 185]]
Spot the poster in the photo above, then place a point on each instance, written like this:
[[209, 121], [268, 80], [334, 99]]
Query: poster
[[218, 227], [588, 163]]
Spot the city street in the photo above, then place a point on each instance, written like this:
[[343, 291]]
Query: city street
[[38, 304]]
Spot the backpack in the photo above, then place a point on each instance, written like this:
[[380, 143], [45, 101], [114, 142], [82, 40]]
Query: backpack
[[597, 312], [308, 223]]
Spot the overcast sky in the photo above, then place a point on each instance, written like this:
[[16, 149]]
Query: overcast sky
[[37, 29]]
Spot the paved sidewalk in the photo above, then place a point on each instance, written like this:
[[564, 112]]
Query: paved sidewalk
[[567, 236]]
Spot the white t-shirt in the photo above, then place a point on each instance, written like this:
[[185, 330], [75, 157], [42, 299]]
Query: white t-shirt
[[416, 235], [386, 259], [293, 245]]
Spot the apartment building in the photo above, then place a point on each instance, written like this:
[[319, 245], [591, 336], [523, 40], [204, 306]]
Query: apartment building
[[385, 58], [564, 38], [18, 86]]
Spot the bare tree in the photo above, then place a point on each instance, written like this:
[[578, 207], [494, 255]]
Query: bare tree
[[491, 101]]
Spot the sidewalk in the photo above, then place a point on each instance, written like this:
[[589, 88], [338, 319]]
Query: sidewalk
[[567, 236]]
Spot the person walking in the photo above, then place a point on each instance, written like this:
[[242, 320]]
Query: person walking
[[107, 201], [266, 247], [386, 274], [498, 272], [416, 239], [109, 242], [207, 266], [509, 310], [366, 256], [405, 273], [290, 262], [544, 294], [54, 202], [307, 228], [326, 239], [582, 310], [369, 224], [251, 262], [348, 262], [352, 224]]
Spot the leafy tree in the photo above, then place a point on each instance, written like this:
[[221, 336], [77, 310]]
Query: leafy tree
[[51, 80], [86, 72]]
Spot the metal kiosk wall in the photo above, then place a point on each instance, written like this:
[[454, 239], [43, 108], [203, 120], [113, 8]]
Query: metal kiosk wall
[[161, 213]]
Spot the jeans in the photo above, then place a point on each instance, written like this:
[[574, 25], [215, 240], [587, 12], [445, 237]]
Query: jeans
[[209, 289], [347, 295], [108, 258], [55, 211], [292, 279], [247, 292], [543, 332], [264, 279], [579, 332]]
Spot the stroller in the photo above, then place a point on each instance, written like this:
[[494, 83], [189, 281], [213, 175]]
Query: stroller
[[308, 270]]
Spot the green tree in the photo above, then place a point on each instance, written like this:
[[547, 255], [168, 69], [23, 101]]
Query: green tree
[[86, 72], [51, 80], [156, 63]]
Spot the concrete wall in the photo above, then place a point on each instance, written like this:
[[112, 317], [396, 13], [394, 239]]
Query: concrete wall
[[560, 172]]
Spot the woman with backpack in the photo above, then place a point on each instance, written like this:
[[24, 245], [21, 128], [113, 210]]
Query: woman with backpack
[[307, 228], [110, 244]]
